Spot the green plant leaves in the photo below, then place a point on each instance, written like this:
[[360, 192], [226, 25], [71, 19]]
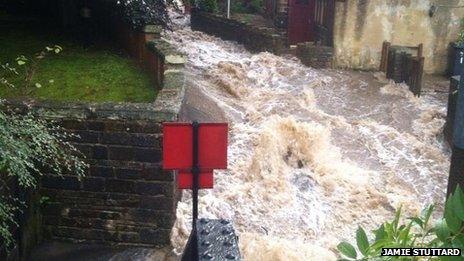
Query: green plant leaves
[[418, 221], [380, 233], [347, 249], [427, 213], [447, 232], [21, 60], [452, 220], [441, 230], [28, 145], [362, 241], [396, 221], [457, 203]]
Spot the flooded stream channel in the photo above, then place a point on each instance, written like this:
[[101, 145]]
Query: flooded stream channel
[[312, 153]]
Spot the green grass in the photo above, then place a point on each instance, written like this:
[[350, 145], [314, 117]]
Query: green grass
[[98, 74]]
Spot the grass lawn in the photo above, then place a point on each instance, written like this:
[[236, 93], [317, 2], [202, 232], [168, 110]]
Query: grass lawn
[[97, 74]]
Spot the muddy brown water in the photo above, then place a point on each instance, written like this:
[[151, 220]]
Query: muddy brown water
[[312, 153]]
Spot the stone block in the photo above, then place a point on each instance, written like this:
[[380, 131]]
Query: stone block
[[100, 152], [121, 153], [121, 186], [159, 219], [157, 203], [154, 236], [93, 184], [95, 125], [147, 155], [70, 124], [157, 173], [125, 173], [85, 149], [61, 182], [151, 188], [101, 171]]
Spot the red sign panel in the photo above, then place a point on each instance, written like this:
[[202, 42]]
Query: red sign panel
[[177, 146], [185, 180]]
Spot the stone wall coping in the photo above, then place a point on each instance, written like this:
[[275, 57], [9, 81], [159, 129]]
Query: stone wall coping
[[152, 29], [166, 51], [165, 108]]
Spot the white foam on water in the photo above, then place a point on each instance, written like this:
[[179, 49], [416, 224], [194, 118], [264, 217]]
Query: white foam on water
[[312, 153]]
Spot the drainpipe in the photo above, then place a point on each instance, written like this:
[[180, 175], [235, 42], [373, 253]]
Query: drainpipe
[[456, 176], [228, 9]]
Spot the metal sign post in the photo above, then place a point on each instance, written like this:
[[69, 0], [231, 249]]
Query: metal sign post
[[195, 173], [195, 150]]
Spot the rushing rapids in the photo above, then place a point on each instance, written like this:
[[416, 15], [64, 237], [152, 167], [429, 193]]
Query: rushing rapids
[[313, 153]]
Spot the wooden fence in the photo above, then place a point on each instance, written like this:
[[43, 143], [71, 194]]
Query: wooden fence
[[403, 64]]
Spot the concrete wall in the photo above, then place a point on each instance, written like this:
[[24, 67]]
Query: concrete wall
[[362, 25]]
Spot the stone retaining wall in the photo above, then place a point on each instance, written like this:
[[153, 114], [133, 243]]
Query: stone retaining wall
[[126, 199], [254, 38], [316, 56]]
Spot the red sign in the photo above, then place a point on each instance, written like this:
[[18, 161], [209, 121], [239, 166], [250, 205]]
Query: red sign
[[185, 180], [178, 151], [177, 146]]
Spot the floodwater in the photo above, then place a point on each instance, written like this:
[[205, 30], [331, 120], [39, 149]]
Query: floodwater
[[313, 154]]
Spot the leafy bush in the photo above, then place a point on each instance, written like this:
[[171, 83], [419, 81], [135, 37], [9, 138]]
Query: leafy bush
[[418, 232], [251, 7], [209, 6], [460, 40], [143, 12], [28, 146], [255, 6], [238, 7]]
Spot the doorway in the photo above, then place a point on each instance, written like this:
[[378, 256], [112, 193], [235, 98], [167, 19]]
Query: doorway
[[301, 21]]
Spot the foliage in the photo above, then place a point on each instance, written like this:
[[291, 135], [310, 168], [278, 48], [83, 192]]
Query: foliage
[[209, 6], [238, 7], [143, 12], [416, 232], [255, 6], [85, 74], [28, 147], [460, 40], [247, 7], [25, 69]]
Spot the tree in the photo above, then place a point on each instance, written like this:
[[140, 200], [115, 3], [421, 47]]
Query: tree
[[143, 12]]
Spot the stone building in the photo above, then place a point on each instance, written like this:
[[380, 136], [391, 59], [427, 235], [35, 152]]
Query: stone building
[[357, 28]]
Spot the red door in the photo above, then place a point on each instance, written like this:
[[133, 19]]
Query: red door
[[300, 21]]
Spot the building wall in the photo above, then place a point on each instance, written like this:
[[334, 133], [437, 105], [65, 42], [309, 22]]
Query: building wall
[[362, 25]]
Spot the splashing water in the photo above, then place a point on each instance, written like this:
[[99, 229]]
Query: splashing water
[[313, 153]]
